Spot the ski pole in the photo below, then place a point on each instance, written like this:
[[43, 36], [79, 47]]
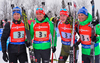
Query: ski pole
[[12, 6], [92, 54], [72, 49], [55, 57], [55, 20], [69, 4], [52, 58]]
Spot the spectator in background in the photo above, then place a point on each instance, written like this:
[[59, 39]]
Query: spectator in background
[[1, 24], [5, 21]]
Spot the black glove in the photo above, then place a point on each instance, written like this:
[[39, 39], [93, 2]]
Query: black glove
[[76, 44], [5, 57], [27, 44], [95, 23], [94, 39], [54, 49]]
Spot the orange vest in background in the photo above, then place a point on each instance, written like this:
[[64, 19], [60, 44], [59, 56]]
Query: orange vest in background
[[41, 31], [17, 32], [85, 34]]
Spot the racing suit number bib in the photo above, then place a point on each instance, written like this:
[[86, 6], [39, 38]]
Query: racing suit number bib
[[41, 34], [66, 35], [18, 34], [85, 37]]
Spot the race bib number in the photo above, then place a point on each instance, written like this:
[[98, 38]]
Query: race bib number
[[85, 37], [66, 35], [41, 34], [19, 34]]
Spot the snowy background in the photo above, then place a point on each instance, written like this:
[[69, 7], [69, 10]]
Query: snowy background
[[50, 5]]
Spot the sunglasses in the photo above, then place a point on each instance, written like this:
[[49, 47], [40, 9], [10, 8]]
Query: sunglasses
[[16, 11], [39, 9], [63, 9]]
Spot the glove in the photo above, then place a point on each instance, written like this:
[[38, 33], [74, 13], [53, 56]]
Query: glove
[[95, 23], [27, 44], [5, 57], [76, 44], [94, 39], [54, 49]]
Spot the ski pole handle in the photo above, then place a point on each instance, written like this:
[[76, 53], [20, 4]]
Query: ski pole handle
[[12, 6]]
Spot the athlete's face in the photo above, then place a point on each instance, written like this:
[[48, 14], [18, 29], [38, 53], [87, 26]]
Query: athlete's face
[[63, 18], [39, 16], [82, 17], [16, 16]]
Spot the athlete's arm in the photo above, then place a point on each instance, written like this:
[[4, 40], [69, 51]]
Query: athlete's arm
[[5, 35]]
